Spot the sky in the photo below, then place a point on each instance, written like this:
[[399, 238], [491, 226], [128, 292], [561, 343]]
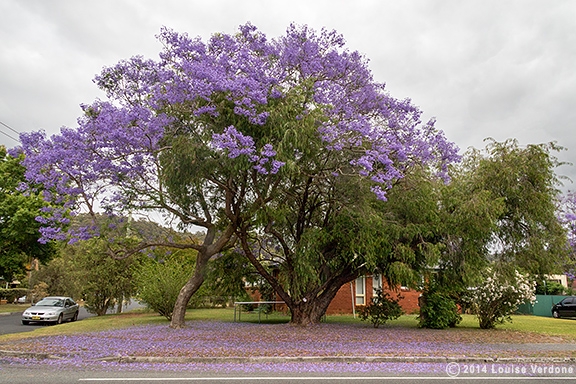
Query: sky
[[482, 68]]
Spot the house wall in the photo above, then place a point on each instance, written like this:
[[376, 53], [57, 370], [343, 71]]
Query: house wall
[[562, 279], [346, 296], [342, 302]]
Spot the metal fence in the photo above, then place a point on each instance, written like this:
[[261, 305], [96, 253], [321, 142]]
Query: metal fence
[[542, 306]]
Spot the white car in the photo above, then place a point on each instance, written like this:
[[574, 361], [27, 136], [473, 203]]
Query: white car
[[53, 309]]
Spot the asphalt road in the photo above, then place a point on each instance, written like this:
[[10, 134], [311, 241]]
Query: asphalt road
[[11, 323], [17, 375]]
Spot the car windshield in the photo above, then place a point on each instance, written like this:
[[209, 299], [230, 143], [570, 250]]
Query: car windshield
[[50, 303]]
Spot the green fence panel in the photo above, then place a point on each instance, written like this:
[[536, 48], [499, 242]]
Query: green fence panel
[[542, 306]]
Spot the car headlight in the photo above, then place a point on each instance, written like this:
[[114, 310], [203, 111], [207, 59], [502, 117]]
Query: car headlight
[[51, 313], [26, 313]]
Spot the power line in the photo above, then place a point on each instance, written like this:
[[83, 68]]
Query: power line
[[10, 128]]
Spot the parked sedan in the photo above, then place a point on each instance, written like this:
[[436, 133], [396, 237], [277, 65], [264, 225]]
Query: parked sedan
[[54, 309], [565, 308]]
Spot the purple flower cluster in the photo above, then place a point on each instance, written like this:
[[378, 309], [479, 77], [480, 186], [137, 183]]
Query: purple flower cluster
[[222, 94]]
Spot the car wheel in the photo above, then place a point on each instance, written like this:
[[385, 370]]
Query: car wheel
[[555, 314], [75, 317], [25, 322], [60, 319]]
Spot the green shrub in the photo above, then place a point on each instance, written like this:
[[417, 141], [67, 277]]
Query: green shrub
[[382, 308], [158, 282], [550, 288], [438, 311]]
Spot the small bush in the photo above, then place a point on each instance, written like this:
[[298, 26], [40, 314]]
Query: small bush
[[499, 296], [382, 308], [438, 311], [158, 282]]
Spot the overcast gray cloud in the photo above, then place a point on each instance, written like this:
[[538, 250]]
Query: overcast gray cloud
[[501, 69]]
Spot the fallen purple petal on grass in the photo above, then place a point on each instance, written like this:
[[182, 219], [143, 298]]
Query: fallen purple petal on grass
[[203, 339]]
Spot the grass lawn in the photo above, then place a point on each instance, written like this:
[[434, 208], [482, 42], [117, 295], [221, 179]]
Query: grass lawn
[[8, 308], [565, 328]]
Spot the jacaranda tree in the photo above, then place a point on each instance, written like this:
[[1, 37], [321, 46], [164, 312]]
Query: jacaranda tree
[[226, 134]]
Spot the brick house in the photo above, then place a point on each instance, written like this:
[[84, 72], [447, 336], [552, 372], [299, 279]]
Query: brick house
[[359, 293], [356, 294]]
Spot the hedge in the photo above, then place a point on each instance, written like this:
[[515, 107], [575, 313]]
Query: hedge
[[10, 294]]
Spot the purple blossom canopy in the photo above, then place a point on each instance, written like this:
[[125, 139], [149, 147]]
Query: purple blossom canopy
[[233, 97]]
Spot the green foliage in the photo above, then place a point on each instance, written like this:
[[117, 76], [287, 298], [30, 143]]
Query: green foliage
[[527, 230], [64, 275], [11, 294], [550, 288], [158, 280], [499, 211], [438, 310], [410, 229], [19, 230], [86, 270], [228, 274], [108, 281], [382, 308], [468, 220]]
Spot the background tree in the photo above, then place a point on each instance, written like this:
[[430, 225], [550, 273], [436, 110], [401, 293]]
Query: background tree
[[528, 234], [19, 230], [567, 216], [217, 134], [107, 281], [85, 269], [63, 275], [498, 214]]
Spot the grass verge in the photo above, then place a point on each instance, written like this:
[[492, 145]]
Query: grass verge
[[9, 308], [562, 328]]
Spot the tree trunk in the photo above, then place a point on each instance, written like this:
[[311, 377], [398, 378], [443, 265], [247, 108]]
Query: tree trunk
[[212, 246], [310, 310], [189, 289], [312, 307]]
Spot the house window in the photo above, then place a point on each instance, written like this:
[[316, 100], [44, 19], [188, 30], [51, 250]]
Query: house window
[[361, 291]]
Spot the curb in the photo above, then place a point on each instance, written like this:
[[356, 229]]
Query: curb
[[333, 359], [7, 313], [304, 359]]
